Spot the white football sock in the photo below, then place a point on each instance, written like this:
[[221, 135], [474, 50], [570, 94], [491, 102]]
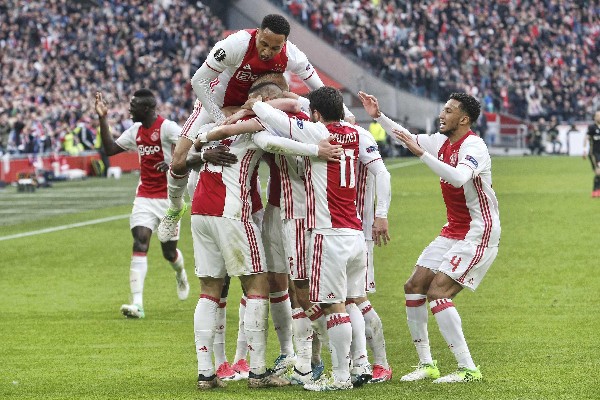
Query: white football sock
[[255, 326], [281, 314], [242, 347], [416, 315], [318, 322], [358, 347], [137, 275], [220, 328], [451, 328], [374, 334], [303, 337], [204, 333], [339, 330]]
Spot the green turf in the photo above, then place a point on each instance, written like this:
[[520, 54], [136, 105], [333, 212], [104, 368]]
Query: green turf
[[531, 325]]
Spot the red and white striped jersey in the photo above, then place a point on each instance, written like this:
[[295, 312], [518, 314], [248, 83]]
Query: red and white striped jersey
[[226, 191], [234, 64], [331, 186], [472, 210], [154, 144]]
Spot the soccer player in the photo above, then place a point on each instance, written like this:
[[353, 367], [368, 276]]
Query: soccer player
[[227, 241], [226, 76], [467, 245], [153, 137], [337, 254], [591, 142], [373, 215]]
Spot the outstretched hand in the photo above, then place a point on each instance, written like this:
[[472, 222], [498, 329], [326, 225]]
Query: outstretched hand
[[100, 105], [370, 104], [409, 141], [328, 151]]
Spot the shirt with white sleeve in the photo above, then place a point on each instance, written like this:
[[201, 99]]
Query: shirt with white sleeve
[[234, 64], [465, 170], [153, 145]]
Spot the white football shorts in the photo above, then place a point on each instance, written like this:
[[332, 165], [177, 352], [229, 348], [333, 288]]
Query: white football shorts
[[463, 261], [370, 244], [272, 240], [224, 246], [148, 213], [337, 265]]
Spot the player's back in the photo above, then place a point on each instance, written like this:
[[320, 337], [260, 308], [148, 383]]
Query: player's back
[[225, 191], [331, 189]]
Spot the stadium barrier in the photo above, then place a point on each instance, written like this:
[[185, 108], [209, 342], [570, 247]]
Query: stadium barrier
[[14, 166]]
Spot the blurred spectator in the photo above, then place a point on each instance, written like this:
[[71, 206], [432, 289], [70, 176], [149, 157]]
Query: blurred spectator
[[53, 50], [493, 50], [553, 135], [4, 132], [535, 138]]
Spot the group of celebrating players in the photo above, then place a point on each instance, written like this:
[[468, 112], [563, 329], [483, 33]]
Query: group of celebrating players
[[308, 255]]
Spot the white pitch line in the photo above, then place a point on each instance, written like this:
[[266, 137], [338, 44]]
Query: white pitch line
[[402, 165], [63, 227]]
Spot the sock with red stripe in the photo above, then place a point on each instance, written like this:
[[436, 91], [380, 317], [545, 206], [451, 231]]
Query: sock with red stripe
[[358, 347], [205, 319], [255, 326], [241, 351], [374, 334], [137, 274], [220, 329], [339, 330], [451, 328], [176, 185], [281, 314], [303, 336], [416, 315], [318, 322]]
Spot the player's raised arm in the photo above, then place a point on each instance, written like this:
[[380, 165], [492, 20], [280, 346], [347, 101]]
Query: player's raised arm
[[110, 146]]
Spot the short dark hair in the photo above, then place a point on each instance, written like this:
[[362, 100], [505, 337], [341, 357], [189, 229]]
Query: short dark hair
[[276, 24], [468, 105], [146, 97], [328, 102]]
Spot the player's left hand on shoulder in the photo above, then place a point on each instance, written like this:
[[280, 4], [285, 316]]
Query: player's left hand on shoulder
[[328, 151]]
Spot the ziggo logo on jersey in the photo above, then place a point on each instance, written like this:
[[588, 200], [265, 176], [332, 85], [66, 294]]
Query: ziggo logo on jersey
[[148, 150]]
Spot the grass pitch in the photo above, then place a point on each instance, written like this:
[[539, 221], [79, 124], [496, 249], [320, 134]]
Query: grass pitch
[[531, 324]]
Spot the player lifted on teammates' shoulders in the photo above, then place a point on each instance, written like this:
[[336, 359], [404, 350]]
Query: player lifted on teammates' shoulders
[[153, 137], [467, 245], [225, 78]]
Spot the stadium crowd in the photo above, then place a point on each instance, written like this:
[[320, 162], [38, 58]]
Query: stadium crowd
[[530, 58], [55, 54]]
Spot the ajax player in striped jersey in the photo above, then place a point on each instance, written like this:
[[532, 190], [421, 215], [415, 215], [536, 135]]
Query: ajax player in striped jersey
[[373, 197], [154, 138], [337, 255], [467, 245]]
